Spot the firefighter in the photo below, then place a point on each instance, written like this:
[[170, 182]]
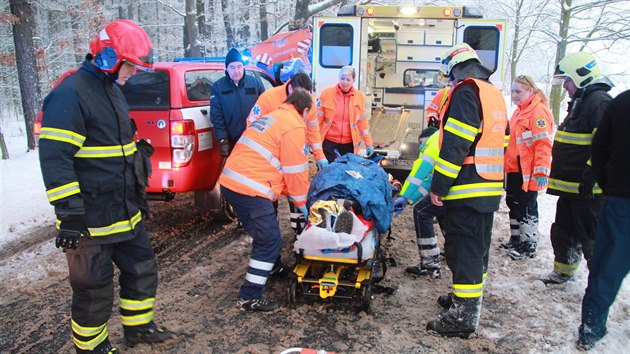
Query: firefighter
[[269, 158], [231, 99], [468, 181], [87, 155], [343, 120], [269, 101], [435, 108], [527, 164], [416, 188], [571, 179]]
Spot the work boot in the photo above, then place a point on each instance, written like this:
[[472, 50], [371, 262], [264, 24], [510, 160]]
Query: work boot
[[344, 222], [557, 278], [279, 270], [445, 301], [422, 269], [524, 250], [147, 334], [104, 348], [460, 320], [588, 336], [260, 304], [512, 243]]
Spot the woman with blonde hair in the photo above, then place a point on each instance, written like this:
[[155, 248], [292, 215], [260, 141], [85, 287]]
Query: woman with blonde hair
[[527, 164]]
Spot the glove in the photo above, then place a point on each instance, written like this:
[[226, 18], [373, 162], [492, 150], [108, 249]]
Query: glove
[[399, 205], [541, 182], [70, 231], [370, 150], [224, 147], [304, 211], [586, 190], [321, 163]]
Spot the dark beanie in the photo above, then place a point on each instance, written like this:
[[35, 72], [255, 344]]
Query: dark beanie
[[427, 132], [232, 56]]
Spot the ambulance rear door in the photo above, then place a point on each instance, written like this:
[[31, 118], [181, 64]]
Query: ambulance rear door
[[336, 43], [487, 37]]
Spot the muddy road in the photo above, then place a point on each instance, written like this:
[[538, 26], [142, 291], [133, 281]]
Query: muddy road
[[201, 267]]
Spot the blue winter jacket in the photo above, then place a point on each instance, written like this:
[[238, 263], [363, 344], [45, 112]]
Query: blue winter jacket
[[230, 105]]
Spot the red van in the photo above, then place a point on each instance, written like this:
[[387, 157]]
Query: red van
[[170, 107]]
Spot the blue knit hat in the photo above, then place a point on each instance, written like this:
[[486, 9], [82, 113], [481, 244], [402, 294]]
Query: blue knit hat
[[232, 56]]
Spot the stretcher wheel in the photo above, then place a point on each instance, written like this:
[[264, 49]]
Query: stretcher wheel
[[292, 291], [366, 297]]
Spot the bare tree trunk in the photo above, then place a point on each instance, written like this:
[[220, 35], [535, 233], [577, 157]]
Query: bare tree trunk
[[201, 18], [77, 33], [229, 32], [26, 65], [191, 45], [264, 22], [301, 10], [3, 146], [555, 98]]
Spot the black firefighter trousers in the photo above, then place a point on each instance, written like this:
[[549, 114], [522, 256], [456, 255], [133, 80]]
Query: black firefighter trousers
[[91, 269], [466, 247]]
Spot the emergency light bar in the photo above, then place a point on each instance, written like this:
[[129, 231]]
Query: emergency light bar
[[409, 11]]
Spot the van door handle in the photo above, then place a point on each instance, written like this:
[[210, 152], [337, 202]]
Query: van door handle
[[204, 112]]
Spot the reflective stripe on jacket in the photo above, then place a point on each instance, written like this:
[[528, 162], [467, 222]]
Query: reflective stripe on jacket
[[272, 99], [572, 142], [470, 163], [87, 154], [270, 157], [327, 109], [529, 149], [418, 184]]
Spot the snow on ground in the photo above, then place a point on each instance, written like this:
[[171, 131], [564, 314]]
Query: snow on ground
[[24, 208]]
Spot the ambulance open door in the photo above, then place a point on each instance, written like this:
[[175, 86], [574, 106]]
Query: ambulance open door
[[336, 43], [487, 37]]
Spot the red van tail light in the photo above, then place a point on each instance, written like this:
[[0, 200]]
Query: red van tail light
[[182, 142]]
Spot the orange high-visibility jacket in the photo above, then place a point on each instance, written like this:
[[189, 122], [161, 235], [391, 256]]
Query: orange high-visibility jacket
[[272, 99], [531, 134], [330, 99], [437, 104], [270, 157]]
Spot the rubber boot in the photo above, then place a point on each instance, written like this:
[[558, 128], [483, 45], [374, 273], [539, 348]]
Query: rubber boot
[[445, 301], [514, 242], [461, 320]]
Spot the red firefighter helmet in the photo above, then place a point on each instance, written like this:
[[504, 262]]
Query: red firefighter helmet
[[121, 40]]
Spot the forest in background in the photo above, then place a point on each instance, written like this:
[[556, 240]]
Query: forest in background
[[40, 40]]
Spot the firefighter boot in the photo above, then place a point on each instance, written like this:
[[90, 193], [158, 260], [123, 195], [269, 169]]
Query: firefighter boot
[[104, 347], [524, 250], [149, 333], [460, 320], [514, 242]]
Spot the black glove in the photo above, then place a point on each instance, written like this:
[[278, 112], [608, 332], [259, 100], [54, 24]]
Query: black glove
[[586, 190], [70, 231], [224, 147]]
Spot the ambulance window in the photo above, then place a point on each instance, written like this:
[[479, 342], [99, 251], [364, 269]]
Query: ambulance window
[[336, 45], [148, 91], [484, 40], [421, 77]]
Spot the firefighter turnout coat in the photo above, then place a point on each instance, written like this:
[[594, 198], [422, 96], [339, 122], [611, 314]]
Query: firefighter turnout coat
[[270, 157], [272, 99], [529, 148], [469, 169], [570, 162], [418, 183], [87, 153], [330, 99]]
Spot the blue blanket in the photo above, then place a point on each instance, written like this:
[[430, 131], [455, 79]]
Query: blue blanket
[[353, 177]]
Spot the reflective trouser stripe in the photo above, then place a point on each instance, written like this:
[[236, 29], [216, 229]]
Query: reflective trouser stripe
[[566, 269], [81, 336], [137, 320], [256, 279], [468, 290], [137, 305]]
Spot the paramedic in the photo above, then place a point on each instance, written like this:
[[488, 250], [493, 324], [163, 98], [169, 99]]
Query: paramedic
[[468, 181], [269, 158], [434, 110], [231, 99], [416, 188], [343, 120], [87, 155], [527, 164], [571, 179]]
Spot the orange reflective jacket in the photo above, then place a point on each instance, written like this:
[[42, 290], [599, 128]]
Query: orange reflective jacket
[[438, 102], [330, 99], [270, 157], [488, 155], [531, 134], [272, 99]]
